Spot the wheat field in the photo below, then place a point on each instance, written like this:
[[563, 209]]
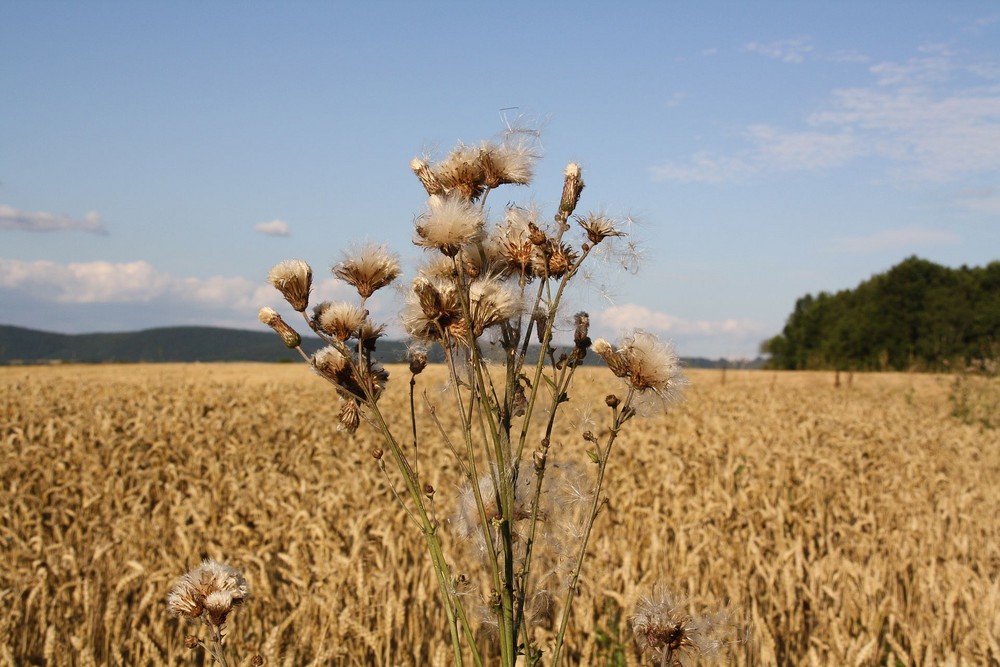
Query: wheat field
[[851, 525]]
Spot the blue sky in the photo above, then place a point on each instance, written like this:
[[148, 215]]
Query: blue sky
[[157, 159]]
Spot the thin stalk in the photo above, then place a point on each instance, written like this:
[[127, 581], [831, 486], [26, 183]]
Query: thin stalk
[[562, 386], [619, 419]]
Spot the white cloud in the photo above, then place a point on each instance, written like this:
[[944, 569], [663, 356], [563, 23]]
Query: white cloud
[[633, 316], [125, 282], [896, 239], [736, 337], [787, 51], [933, 117], [272, 228], [40, 221]]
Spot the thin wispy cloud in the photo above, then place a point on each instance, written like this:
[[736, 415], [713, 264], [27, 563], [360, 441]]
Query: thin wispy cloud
[[272, 228], [787, 51], [933, 117], [40, 221], [985, 199], [906, 238]]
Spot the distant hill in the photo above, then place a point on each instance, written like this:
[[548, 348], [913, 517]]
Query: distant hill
[[186, 344]]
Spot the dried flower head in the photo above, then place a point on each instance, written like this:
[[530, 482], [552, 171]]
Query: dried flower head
[[513, 239], [598, 227], [491, 302], [350, 415], [293, 278], [212, 588], [339, 320], [333, 365], [448, 224], [432, 308], [506, 163], [664, 628], [271, 318], [461, 173], [368, 269], [648, 364], [369, 333], [653, 365], [554, 260]]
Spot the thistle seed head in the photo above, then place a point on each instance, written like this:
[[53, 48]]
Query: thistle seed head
[[491, 302], [293, 278], [598, 227], [653, 365], [461, 173], [448, 224], [431, 307], [331, 364], [506, 163], [212, 588], [339, 320], [368, 269], [554, 260], [663, 627]]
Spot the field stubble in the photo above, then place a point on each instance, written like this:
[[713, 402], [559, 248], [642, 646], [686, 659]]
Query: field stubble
[[856, 525]]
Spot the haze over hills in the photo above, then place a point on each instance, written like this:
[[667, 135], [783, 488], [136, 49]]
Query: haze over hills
[[182, 344]]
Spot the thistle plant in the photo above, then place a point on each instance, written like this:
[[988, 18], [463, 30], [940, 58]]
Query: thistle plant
[[488, 288]]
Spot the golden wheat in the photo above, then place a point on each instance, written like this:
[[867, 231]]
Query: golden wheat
[[857, 525]]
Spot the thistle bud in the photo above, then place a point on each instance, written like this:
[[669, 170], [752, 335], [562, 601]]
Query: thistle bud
[[539, 459], [429, 490], [581, 337], [612, 401], [572, 187], [191, 642], [535, 235], [288, 335], [541, 322], [377, 453]]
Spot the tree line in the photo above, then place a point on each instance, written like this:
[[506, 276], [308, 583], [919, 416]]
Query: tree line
[[918, 315]]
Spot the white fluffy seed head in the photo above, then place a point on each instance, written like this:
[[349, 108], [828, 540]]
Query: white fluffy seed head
[[448, 224]]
